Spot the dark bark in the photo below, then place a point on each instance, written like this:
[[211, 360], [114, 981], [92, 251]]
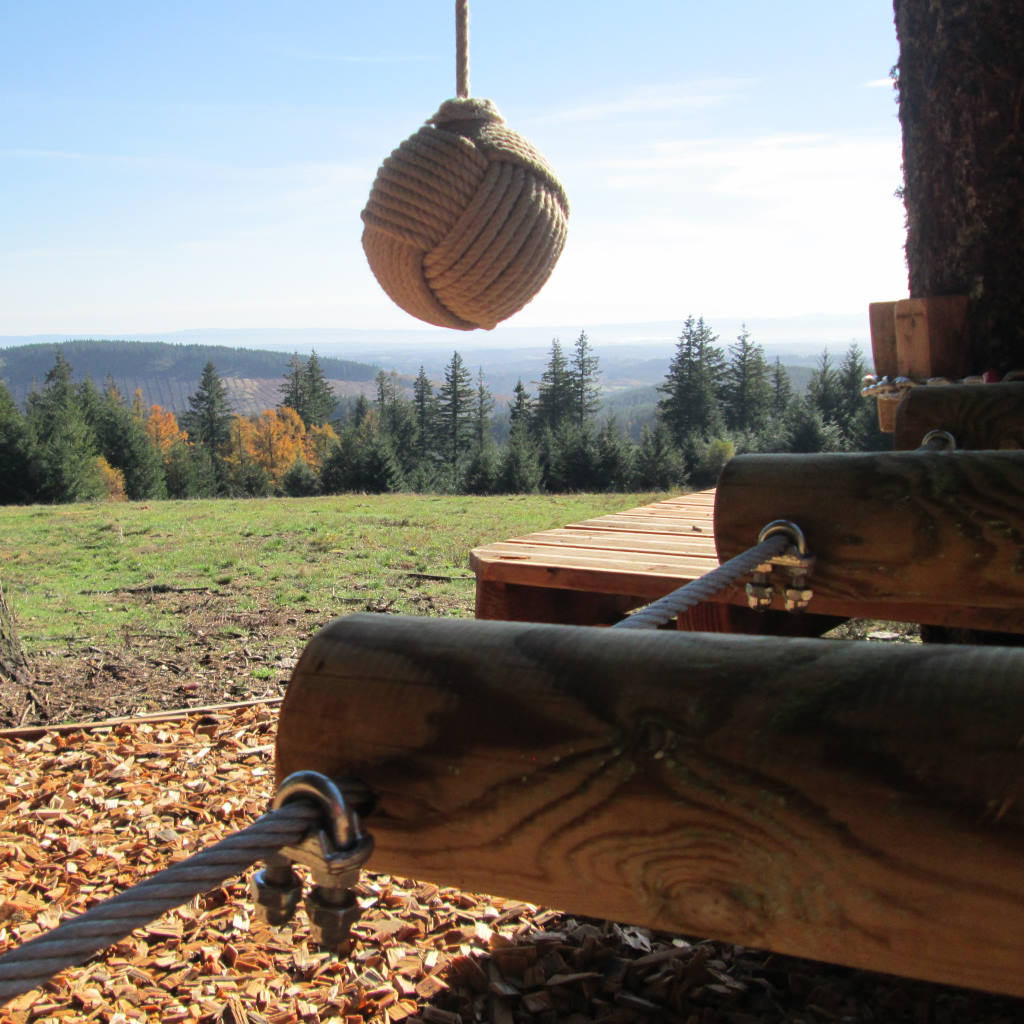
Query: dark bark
[[961, 94], [13, 663]]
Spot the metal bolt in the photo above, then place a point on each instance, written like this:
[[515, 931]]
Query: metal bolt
[[795, 599], [759, 591], [331, 912], [276, 891]]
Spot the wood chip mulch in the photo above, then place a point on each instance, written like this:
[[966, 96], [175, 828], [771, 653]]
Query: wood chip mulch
[[87, 813]]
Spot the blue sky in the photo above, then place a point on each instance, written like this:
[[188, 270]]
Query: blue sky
[[185, 165]]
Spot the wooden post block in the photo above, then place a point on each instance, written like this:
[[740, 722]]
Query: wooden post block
[[853, 802], [977, 415], [919, 529], [931, 337], [882, 317]]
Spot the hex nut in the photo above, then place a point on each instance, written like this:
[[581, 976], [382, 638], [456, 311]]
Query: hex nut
[[759, 595], [275, 903], [331, 916], [797, 599]]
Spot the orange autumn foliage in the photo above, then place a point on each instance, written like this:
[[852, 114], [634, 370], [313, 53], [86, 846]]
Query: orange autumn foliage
[[163, 430]]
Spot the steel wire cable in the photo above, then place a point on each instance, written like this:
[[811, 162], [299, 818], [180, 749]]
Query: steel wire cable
[[704, 587], [78, 938]]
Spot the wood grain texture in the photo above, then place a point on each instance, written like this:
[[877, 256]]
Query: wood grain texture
[[931, 337], [852, 802], [977, 415], [925, 528]]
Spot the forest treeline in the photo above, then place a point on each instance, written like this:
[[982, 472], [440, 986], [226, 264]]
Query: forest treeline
[[74, 441]]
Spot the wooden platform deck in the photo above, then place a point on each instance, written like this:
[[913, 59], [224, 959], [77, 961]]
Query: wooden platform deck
[[593, 572]]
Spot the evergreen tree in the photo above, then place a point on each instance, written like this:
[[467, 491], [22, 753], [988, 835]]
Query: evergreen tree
[[17, 465], [615, 458], [63, 440], [319, 395], [583, 381], [825, 391], [208, 419], [521, 409], [293, 390], [746, 390], [301, 480], [555, 393], [425, 415], [782, 392], [455, 413], [520, 470], [483, 403], [122, 440], [690, 409], [659, 465], [809, 431]]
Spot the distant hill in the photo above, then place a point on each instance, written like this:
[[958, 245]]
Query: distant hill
[[168, 374]]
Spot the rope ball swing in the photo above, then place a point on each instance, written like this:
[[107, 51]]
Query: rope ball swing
[[466, 219]]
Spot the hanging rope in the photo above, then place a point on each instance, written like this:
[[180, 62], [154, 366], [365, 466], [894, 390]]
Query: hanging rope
[[74, 941], [668, 607], [462, 49]]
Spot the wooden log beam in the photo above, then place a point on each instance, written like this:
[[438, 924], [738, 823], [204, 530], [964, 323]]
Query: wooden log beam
[[846, 801], [913, 529], [977, 415]]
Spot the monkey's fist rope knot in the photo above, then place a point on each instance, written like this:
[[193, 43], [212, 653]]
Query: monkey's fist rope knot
[[465, 220]]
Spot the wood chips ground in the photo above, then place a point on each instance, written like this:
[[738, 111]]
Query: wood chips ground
[[84, 814]]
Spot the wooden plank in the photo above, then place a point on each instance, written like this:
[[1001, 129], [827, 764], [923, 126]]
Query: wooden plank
[[645, 585], [845, 801], [680, 567], [702, 545]]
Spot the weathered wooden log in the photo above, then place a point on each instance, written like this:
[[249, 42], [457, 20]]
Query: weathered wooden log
[[977, 415], [846, 801], [927, 536]]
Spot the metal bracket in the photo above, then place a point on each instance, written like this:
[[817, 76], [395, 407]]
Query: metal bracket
[[335, 854], [797, 562]]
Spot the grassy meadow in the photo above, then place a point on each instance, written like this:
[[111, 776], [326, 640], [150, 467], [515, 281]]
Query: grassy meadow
[[101, 575]]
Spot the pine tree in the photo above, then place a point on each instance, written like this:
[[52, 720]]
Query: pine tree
[[455, 413], [208, 419], [123, 441], [63, 439], [293, 390], [17, 466], [690, 409], [319, 395], [659, 465], [555, 393], [583, 381], [782, 392], [520, 470], [825, 391], [615, 458], [521, 409], [483, 403], [746, 389], [425, 414]]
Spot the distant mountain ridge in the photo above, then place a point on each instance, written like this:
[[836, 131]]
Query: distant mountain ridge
[[167, 374]]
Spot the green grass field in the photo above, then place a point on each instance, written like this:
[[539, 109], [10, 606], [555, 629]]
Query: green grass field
[[92, 573]]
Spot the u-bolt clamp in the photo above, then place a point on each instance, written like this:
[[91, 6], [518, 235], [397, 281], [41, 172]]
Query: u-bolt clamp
[[795, 560], [335, 853]]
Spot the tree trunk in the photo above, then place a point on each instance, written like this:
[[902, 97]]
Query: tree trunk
[[13, 663], [961, 95]]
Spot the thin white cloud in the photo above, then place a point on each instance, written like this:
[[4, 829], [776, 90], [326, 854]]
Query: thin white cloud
[[878, 83]]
